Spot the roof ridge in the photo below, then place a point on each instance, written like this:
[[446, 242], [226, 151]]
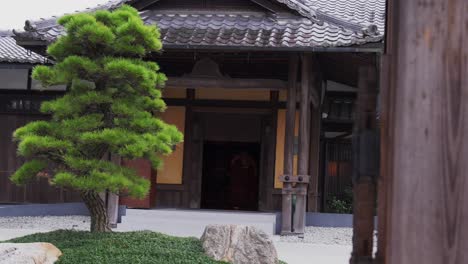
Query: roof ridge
[[314, 13]]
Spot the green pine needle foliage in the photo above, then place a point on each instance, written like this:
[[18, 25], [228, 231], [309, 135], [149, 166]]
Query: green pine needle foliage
[[111, 106]]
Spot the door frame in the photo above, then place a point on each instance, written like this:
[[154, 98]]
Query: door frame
[[193, 160]]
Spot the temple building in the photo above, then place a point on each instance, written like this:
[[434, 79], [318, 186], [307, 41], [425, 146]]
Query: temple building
[[263, 90]]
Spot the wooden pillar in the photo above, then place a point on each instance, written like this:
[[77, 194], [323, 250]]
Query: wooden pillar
[[314, 195], [385, 159], [193, 162], [112, 199], [304, 141], [286, 223], [366, 158], [427, 114], [187, 163]]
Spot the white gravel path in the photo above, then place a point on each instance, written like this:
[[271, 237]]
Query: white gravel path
[[314, 235], [46, 222], [321, 235]]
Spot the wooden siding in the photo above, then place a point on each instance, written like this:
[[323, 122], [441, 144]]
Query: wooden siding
[[38, 191]]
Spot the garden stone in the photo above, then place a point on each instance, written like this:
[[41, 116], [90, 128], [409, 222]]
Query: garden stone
[[28, 253], [239, 244]]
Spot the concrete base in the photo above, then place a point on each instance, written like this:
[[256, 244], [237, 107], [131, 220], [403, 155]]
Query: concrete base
[[329, 220]]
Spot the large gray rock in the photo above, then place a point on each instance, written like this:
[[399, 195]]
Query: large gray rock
[[239, 244], [28, 253]]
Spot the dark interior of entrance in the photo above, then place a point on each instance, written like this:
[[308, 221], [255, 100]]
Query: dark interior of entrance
[[230, 175]]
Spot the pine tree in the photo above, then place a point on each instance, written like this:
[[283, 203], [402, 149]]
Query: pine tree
[[110, 108]]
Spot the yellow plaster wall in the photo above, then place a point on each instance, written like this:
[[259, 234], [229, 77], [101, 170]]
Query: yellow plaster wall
[[233, 94], [171, 172], [279, 163]]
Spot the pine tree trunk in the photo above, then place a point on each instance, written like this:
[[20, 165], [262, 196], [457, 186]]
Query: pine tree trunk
[[97, 210]]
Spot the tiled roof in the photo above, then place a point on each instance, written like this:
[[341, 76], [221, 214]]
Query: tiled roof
[[12, 53], [352, 14], [319, 26], [250, 30]]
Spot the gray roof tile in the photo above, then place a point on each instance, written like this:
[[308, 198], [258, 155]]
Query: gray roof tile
[[334, 23], [353, 14], [12, 53]]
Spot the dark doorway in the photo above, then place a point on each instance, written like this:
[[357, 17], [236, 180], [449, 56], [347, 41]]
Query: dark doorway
[[230, 175]]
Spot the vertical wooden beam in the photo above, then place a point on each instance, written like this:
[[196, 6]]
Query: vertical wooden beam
[[387, 96], [186, 170], [194, 162], [286, 223], [314, 195], [365, 146], [197, 163], [112, 199], [304, 141], [427, 201], [270, 141], [113, 209]]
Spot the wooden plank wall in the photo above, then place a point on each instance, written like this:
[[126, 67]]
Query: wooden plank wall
[[426, 112], [36, 192]]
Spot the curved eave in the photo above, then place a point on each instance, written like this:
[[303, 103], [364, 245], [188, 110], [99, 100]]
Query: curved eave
[[371, 47], [376, 47]]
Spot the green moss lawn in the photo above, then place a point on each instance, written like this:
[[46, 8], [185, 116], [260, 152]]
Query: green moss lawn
[[133, 247]]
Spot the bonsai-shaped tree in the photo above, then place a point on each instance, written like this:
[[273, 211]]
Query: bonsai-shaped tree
[[110, 109]]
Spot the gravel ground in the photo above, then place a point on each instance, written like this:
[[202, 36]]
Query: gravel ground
[[313, 235], [324, 236], [46, 222], [321, 235]]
